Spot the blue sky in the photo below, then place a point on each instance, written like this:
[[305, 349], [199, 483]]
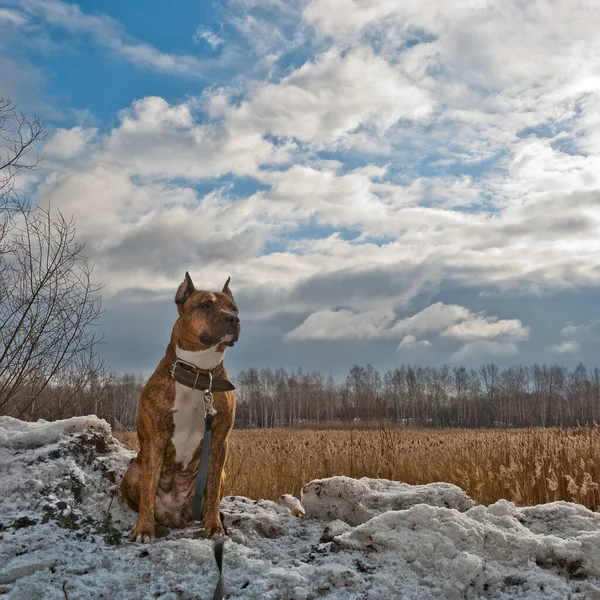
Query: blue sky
[[385, 181]]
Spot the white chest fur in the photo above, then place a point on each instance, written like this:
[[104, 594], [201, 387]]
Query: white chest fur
[[203, 359], [188, 408], [188, 418]]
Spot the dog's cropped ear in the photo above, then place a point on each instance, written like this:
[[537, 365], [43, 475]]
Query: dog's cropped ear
[[185, 290], [226, 289]]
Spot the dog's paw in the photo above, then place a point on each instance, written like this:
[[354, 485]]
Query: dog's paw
[[214, 531], [141, 534]]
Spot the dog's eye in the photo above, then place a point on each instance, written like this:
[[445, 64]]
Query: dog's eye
[[205, 305]]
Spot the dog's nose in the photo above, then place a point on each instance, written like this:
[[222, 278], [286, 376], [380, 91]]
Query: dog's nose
[[233, 319]]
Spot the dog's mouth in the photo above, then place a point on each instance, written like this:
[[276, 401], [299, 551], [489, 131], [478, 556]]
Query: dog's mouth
[[229, 339]]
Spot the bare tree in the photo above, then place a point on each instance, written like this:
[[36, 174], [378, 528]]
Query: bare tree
[[48, 303], [18, 137], [48, 306]]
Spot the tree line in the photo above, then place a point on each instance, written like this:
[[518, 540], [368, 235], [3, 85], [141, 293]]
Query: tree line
[[518, 396], [408, 395]]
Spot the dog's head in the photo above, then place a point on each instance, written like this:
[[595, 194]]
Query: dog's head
[[206, 318]]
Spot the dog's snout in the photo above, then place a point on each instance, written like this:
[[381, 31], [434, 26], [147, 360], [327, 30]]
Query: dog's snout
[[233, 319]]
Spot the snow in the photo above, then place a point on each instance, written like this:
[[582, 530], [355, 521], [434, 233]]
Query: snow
[[21, 434], [292, 504], [358, 501], [62, 523]]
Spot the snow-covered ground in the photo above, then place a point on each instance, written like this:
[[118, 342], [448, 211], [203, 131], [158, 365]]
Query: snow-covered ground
[[63, 535]]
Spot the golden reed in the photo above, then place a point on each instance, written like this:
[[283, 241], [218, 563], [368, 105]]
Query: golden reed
[[526, 466]]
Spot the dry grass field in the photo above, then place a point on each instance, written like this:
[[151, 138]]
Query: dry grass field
[[526, 466]]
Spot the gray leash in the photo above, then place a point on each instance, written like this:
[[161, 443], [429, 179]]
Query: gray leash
[[207, 398], [220, 590]]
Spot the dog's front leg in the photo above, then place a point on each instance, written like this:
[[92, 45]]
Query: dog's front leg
[[153, 454], [211, 517]]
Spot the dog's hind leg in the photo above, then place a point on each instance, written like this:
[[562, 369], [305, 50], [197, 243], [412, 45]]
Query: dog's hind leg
[[151, 458], [131, 484]]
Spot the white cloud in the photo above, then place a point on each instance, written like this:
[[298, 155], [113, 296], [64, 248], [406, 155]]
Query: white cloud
[[489, 335], [511, 44], [68, 143], [446, 192], [410, 341], [401, 97], [537, 168], [326, 100], [495, 69], [573, 330], [14, 17], [337, 199], [549, 241], [340, 324], [566, 347], [159, 140], [110, 34], [587, 133], [478, 327], [483, 349], [433, 319], [209, 36], [345, 18]]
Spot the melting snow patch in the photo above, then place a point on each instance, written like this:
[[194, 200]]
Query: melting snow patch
[[357, 501], [360, 539]]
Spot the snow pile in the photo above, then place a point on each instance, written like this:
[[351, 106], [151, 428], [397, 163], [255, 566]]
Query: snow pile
[[357, 501], [21, 434], [63, 525]]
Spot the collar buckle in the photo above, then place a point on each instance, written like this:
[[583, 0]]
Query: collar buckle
[[180, 363]]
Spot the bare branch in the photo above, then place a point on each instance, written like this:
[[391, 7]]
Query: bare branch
[[19, 135]]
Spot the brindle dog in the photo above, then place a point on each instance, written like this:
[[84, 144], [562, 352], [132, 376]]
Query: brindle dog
[[160, 481]]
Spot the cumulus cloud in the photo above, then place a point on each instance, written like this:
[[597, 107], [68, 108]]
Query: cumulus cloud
[[68, 143], [433, 319], [566, 347], [406, 148], [170, 238], [515, 43], [341, 324], [323, 101], [496, 71], [484, 336], [159, 140], [128, 169], [583, 328], [484, 348], [143, 234], [410, 341], [536, 167], [480, 327], [337, 199]]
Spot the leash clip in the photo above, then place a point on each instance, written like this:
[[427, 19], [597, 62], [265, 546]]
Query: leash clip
[[208, 396]]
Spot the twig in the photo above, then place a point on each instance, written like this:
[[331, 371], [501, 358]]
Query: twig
[[108, 510], [65, 590]]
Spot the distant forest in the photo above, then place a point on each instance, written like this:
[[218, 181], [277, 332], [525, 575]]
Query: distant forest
[[519, 396]]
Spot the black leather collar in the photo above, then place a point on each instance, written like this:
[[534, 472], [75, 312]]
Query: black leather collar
[[199, 379]]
